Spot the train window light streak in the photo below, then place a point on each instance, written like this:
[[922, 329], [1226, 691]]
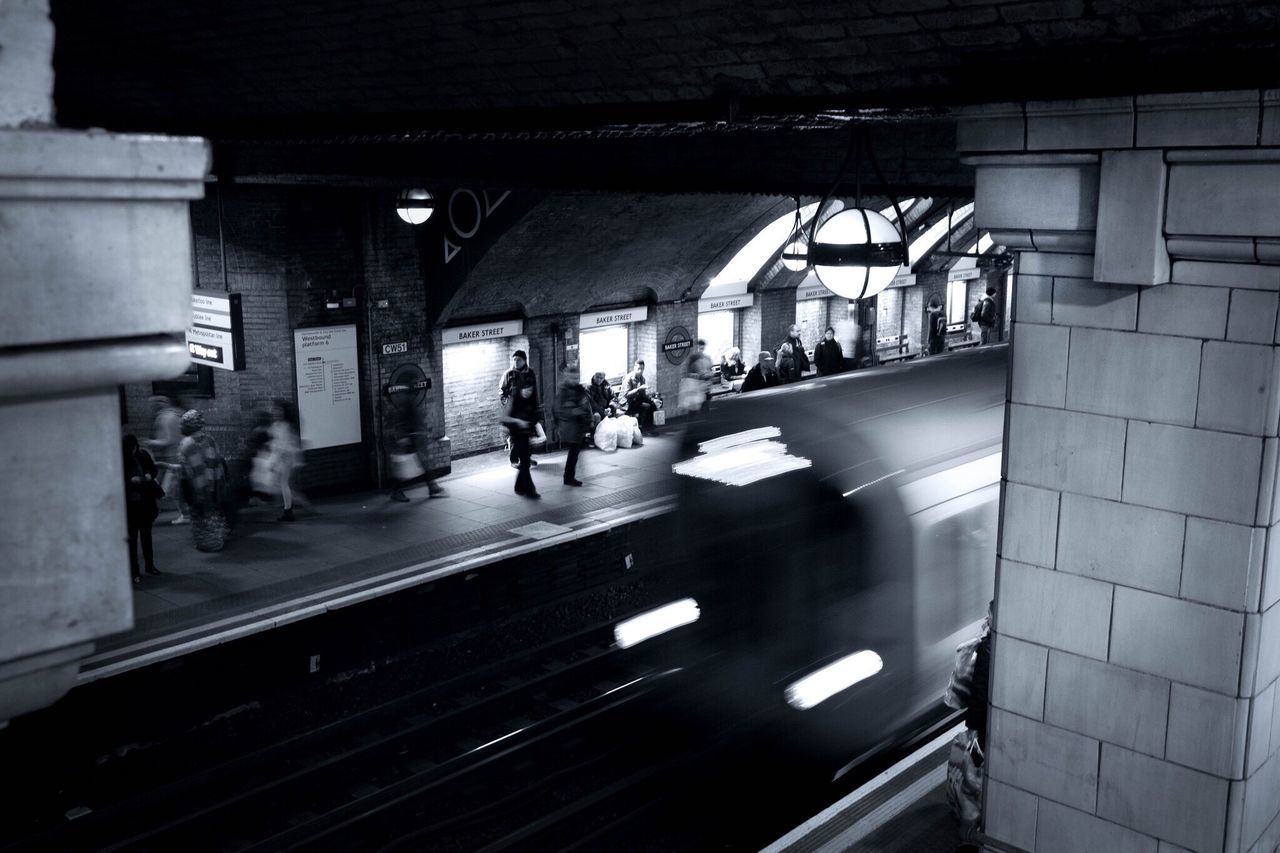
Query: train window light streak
[[824, 683], [646, 626], [873, 482], [742, 458]]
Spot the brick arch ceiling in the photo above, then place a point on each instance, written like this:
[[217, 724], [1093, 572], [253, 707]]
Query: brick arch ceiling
[[574, 252]]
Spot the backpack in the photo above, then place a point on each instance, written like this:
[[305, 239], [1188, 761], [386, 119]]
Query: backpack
[[976, 314], [939, 325], [988, 317]]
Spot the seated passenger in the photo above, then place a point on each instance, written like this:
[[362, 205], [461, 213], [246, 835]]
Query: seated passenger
[[731, 365], [601, 394], [762, 375], [635, 392]]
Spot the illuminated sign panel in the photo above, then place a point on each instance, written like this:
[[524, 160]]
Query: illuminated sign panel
[[216, 334], [482, 331], [616, 317], [725, 303]]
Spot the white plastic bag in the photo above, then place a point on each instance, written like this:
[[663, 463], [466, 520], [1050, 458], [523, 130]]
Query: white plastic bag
[[625, 430], [964, 783], [607, 435], [637, 438]]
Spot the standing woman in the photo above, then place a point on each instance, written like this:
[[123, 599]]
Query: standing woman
[[203, 483], [786, 365], [286, 450], [142, 490], [828, 357]]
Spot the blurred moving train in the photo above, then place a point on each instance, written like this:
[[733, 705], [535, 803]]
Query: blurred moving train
[[840, 540]]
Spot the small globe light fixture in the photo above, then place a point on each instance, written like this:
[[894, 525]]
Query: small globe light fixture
[[856, 253], [415, 206], [795, 256]]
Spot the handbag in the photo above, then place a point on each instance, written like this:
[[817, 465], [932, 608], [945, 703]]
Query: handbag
[[539, 437], [960, 685], [406, 466], [964, 782]]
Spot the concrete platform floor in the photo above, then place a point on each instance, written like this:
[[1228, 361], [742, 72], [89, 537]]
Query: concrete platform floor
[[270, 568]]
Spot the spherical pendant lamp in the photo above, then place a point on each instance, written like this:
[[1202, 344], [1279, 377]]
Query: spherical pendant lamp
[[795, 256], [415, 206], [856, 253]]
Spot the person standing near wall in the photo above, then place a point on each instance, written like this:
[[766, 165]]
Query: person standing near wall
[[799, 358], [937, 328], [516, 377], [142, 490], [827, 355], [984, 313]]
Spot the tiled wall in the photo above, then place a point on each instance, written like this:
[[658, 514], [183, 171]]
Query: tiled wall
[[1138, 647]]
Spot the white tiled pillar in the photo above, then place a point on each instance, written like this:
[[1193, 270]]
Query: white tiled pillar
[[1137, 655], [95, 268]]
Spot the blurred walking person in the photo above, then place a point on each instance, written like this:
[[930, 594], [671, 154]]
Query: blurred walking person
[[203, 483], [520, 418], [937, 329], [286, 453], [573, 419], [258, 454], [695, 385], [142, 490], [166, 436], [411, 460]]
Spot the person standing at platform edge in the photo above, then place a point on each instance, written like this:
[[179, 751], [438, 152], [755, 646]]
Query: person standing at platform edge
[[636, 394], [411, 438], [573, 419], [799, 358], [984, 314], [516, 377], [142, 490], [520, 418], [828, 357]]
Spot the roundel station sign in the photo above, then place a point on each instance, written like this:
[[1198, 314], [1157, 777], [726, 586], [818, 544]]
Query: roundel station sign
[[677, 344]]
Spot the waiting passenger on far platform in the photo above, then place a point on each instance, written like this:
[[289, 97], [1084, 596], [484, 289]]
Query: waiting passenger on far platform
[[520, 418], [799, 358], [141, 490], [937, 329], [732, 366], [786, 364], [985, 315], [286, 454], [516, 377], [695, 385], [573, 419], [639, 404], [828, 357], [166, 436], [204, 481], [761, 376]]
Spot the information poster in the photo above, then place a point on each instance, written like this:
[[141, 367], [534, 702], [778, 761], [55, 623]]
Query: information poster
[[328, 380]]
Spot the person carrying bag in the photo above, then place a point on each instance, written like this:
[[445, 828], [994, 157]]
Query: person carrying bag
[[967, 690]]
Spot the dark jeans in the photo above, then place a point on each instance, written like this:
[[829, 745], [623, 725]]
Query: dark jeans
[[571, 464], [140, 528], [520, 448], [641, 407]]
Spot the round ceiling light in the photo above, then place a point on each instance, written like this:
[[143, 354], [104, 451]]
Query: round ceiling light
[[856, 253], [795, 256], [415, 206]]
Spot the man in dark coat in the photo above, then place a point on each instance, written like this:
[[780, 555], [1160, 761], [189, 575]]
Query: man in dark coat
[[516, 377], [799, 358], [828, 357], [762, 375]]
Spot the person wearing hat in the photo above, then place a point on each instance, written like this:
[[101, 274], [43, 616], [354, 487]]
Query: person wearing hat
[[203, 483], [762, 375], [517, 376]]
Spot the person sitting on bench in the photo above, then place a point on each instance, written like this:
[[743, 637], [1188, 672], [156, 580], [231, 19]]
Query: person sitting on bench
[[636, 394]]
